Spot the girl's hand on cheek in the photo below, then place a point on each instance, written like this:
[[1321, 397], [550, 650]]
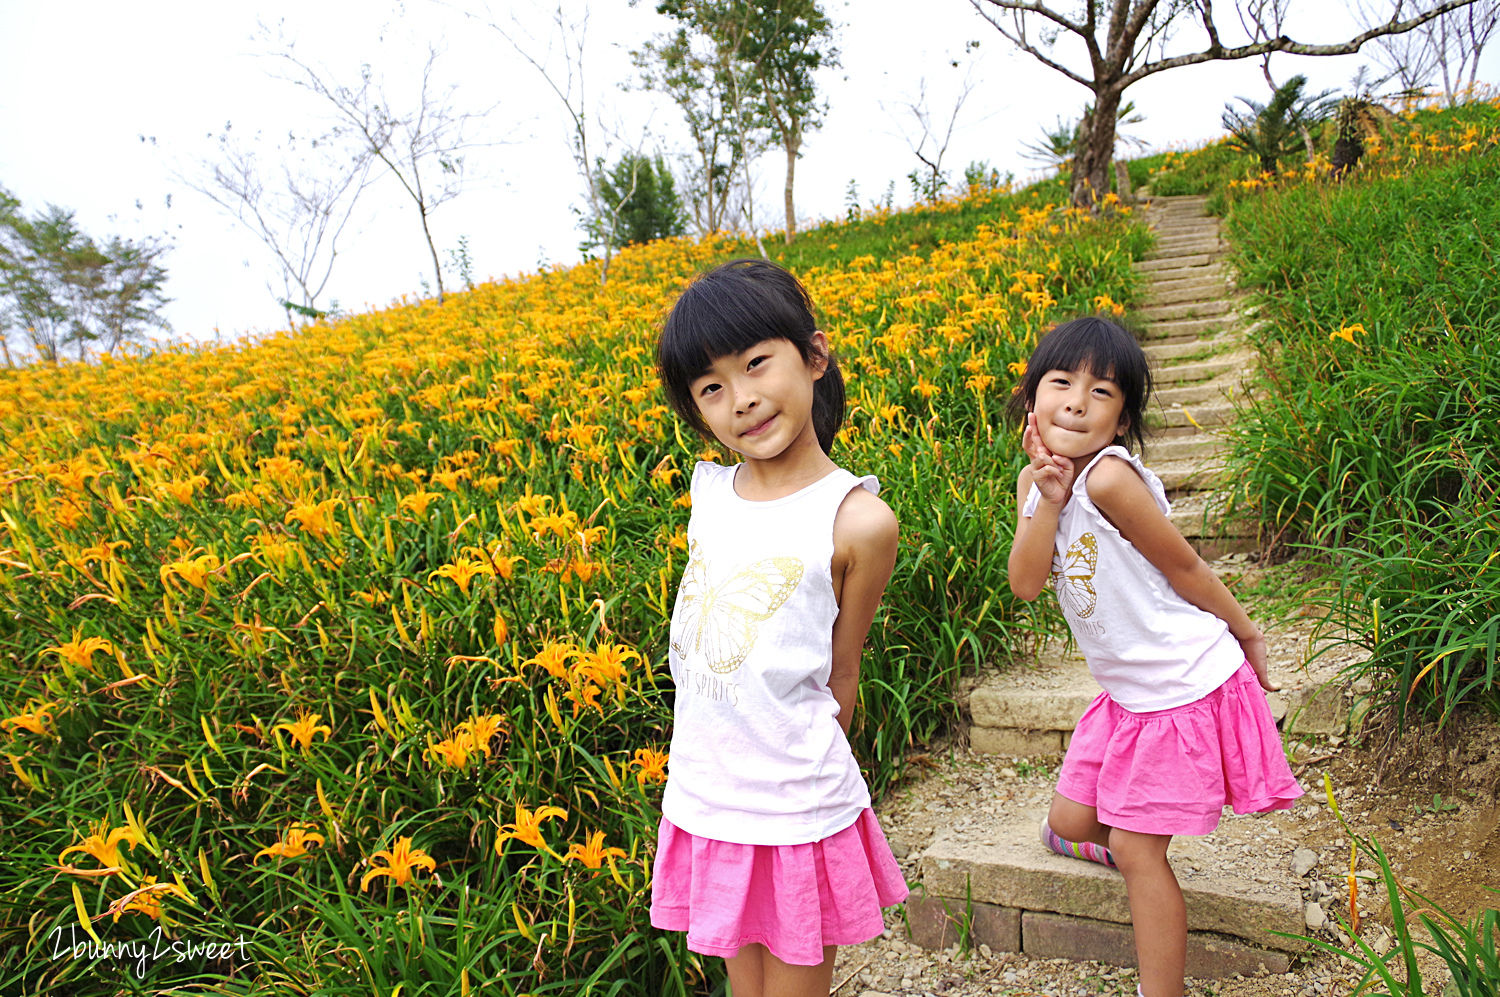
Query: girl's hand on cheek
[[1052, 474]]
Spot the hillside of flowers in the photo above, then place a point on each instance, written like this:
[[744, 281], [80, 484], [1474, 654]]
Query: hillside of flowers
[[334, 662]]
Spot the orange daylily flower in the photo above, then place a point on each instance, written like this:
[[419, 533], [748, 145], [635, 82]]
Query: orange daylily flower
[[528, 826], [294, 844], [304, 727], [593, 853], [400, 860]]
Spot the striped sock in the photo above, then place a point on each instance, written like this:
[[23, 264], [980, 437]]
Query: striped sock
[[1086, 850]]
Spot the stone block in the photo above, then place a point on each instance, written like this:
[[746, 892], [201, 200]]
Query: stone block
[[996, 705], [1016, 871], [1317, 710], [935, 923], [1209, 956], [1017, 743]]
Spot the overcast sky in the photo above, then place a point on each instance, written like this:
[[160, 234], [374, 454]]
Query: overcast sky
[[105, 107]]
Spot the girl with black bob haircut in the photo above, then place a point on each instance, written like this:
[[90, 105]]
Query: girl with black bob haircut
[[768, 853], [1181, 726], [1104, 349], [731, 308]]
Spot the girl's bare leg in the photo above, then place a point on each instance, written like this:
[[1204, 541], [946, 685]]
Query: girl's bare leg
[[1075, 821], [1156, 909], [755, 972]]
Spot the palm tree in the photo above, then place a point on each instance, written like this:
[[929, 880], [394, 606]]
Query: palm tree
[[1269, 131]]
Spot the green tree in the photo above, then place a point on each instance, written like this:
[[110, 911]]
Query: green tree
[[766, 55], [1271, 130], [640, 197], [685, 67], [60, 288]]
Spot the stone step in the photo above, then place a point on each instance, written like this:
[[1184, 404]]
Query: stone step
[[1187, 252], [1151, 314], [1203, 228], [1214, 271], [1196, 416], [1201, 517], [1173, 262], [1174, 349], [1191, 328], [1196, 202], [1196, 445], [1193, 475], [1217, 391], [1169, 292], [1204, 242], [1230, 917], [1202, 370]]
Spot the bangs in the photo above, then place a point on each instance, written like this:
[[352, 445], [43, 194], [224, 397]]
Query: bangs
[[726, 311], [1103, 349]]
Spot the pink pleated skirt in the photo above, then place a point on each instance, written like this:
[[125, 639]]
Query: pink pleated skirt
[[793, 899], [1172, 771]]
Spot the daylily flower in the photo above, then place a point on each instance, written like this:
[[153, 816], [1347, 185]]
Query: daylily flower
[[418, 501], [593, 853], [481, 730], [294, 843], [144, 900], [652, 765], [193, 570], [81, 650], [37, 718], [1347, 332], [401, 859], [528, 826], [462, 571], [452, 752], [104, 844], [304, 727], [315, 518]]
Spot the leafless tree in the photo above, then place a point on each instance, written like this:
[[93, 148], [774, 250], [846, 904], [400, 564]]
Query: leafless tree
[[422, 144], [932, 137], [1129, 40], [588, 145], [298, 206], [1448, 46]]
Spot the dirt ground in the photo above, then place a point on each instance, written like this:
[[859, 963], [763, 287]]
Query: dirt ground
[[1429, 798]]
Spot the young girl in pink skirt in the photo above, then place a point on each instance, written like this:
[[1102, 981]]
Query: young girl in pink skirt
[[769, 854], [1182, 726]]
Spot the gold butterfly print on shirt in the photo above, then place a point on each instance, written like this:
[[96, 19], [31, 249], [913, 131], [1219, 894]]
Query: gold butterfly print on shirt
[[721, 622], [1073, 576]]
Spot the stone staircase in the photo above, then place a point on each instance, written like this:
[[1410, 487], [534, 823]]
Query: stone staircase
[[987, 872]]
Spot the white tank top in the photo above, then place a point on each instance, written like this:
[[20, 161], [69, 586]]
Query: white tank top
[[757, 755], [1147, 646]]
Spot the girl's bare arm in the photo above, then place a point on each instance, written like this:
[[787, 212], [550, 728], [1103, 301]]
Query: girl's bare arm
[[864, 542], [1126, 501]]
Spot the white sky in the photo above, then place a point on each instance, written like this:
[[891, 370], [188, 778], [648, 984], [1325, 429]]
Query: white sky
[[81, 82]]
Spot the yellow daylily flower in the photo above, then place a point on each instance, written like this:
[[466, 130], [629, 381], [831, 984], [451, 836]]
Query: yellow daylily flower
[[193, 570], [462, 572], [315, 518], [400, 860], [304, 727], [81, 650], [652, 765], [37, 718], [144, 900], [593, 853], [104, 844], [528, 826], [294, 844]]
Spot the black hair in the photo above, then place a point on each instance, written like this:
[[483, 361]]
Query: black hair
[[1102, 348], [728, 310]]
